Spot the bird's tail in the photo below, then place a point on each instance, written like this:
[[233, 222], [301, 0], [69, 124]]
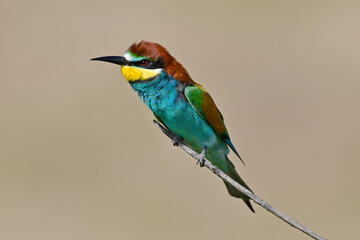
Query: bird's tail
[[233, 191]]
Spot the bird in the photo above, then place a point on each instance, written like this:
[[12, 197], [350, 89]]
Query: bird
[[183, 106]]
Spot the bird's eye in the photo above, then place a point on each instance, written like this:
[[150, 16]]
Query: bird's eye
[[144, 62]]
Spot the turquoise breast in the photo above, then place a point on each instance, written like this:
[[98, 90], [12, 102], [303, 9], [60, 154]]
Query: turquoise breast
[[164, 96]]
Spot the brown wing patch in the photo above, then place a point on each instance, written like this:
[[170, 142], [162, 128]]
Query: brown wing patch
[[212, 115]]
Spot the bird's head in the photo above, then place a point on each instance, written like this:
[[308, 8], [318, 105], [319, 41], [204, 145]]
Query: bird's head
[[146, 60]]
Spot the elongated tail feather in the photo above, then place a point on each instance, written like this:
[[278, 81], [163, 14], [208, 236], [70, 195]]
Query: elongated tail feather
[[233, 191]]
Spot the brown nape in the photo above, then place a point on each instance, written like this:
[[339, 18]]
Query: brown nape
[[154, 51]]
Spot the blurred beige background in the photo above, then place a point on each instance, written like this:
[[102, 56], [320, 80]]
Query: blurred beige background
[[81, 159]]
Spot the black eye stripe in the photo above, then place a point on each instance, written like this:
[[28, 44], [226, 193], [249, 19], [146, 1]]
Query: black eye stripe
[[150, 65]]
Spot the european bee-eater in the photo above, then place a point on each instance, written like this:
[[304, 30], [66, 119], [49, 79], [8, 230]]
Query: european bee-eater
[[180, 104]]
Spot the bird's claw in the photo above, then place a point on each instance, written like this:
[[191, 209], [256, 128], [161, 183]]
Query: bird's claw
[[201, 159], [175, 141], [201, 162]]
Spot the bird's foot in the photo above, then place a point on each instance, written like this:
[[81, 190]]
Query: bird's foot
[[201, 159], [175, 141]]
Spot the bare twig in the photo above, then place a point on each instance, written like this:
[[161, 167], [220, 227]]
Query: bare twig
[[251, 195]]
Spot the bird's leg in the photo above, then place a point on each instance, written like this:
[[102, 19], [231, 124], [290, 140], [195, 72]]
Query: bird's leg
[[175, 141], [201, 159]]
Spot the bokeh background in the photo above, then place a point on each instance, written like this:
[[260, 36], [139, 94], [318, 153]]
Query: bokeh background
[[81, 159]]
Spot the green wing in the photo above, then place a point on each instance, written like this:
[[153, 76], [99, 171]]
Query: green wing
[[205, 106]]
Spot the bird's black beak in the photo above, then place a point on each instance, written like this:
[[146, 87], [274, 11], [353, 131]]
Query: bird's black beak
[[112, 59]]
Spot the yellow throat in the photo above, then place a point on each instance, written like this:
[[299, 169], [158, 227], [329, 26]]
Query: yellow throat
[[135, 73]]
